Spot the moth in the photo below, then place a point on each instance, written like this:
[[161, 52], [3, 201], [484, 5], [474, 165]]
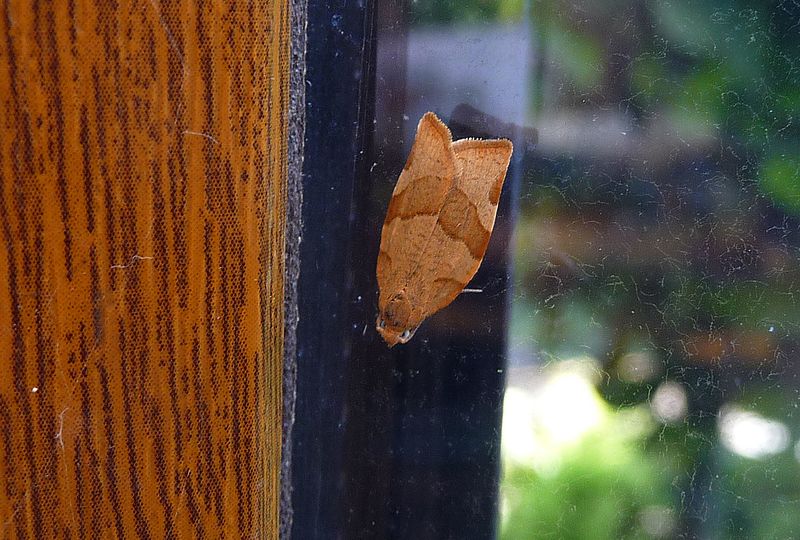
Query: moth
[[437, 226]]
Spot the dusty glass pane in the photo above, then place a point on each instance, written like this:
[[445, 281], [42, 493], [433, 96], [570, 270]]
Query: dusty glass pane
[[652, 377]]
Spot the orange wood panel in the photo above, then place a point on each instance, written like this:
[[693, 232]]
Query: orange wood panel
[[142, 206]]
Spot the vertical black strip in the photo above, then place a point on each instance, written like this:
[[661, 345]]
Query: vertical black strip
[[338, 46]]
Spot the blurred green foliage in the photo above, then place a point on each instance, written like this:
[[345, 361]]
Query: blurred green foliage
[[600, 492], [780, 181], [431, 12], [605, 485]]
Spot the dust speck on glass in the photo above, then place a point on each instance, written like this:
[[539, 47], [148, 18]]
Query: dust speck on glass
[[652, 358]]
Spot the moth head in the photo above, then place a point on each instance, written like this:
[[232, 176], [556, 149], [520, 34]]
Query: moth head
[[393, 323]]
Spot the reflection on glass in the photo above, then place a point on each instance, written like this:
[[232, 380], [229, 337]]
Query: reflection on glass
[[652, 381]]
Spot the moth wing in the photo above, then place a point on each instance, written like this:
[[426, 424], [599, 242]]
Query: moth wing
[[467, 218], [483, 165], [418, 197]]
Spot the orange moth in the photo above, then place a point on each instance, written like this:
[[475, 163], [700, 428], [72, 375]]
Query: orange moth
[[437, 226]]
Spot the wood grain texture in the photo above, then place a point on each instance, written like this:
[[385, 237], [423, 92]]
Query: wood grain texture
[[142, 194], [438, 225]]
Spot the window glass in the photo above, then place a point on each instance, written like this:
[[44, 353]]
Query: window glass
[[654, 320]]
